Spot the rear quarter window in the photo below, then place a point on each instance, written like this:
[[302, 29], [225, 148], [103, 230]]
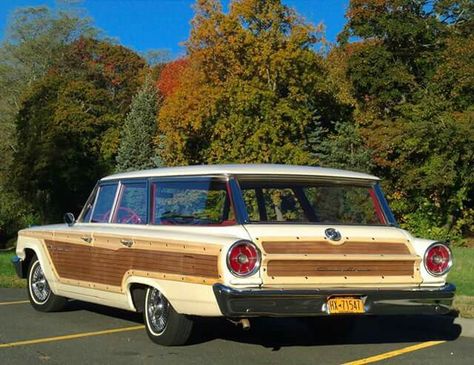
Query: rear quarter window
[[191, 202]]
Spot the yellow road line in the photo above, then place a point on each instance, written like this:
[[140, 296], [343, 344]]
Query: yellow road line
[[388, 355], [15, 302], [70, 337]]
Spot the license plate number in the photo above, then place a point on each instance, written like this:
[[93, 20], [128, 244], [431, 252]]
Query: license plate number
[[345, 305]]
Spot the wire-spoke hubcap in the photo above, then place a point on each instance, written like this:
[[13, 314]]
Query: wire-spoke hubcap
[[39, 286], [157, 308]]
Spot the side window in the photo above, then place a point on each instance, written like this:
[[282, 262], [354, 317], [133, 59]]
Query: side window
[[132, 204], [86, 213], [199, 202], [103, 205]]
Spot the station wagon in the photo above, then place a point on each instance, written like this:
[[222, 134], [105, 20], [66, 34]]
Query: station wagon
[[235, 241]]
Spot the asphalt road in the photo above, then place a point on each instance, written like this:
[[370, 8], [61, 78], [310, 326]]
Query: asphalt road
[[92, 334]]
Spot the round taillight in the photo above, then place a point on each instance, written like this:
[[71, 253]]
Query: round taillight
[[438, 259], [243, 258]]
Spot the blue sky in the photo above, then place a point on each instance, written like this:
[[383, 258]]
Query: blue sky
[[164, 24]]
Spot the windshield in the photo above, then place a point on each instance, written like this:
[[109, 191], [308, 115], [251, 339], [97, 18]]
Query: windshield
[[292, 201]]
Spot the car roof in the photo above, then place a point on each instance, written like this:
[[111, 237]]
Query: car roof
[[243, 169]]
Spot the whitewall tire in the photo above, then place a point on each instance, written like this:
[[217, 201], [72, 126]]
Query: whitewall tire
[[40, 294], [163, 324]]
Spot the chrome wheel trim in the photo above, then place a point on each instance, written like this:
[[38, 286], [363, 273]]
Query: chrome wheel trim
[[157, 309], [38, 285]]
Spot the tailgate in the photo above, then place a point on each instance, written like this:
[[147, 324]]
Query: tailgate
[[302, 256]]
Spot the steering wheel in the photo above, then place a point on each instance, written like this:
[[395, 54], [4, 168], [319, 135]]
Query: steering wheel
[[128, 216]]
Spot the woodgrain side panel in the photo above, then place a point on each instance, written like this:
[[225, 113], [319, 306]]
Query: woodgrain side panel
[[107, 266], [340, 268], [324, 247]]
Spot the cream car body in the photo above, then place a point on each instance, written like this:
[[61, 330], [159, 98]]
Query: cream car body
[[300, 267]]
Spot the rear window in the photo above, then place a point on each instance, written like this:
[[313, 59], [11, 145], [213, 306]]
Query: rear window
[[191, 202], [310, 202]]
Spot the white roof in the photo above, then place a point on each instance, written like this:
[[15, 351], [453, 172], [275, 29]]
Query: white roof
[[243, 169]]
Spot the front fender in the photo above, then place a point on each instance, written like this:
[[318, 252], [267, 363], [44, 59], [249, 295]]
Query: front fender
[[38, 247]]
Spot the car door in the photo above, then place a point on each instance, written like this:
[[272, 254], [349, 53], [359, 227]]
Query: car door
[[115, 243], [71, 251]]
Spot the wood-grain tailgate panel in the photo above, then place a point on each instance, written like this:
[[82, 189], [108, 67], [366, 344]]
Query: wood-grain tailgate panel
[[339, 268], [106, 266], [324, 247], [352, 261]]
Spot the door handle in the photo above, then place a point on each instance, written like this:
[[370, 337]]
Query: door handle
[[87, 239], [128, 243]]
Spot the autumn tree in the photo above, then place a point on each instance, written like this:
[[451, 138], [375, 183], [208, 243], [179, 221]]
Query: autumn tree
[[254, 89], [137, 149], [170, 77], [410, 70], [34, 40], [69, 125]]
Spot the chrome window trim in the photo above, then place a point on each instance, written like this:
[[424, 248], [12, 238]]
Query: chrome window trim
[[114, 204]]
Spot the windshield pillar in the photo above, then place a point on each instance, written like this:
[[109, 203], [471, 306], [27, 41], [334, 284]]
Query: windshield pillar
[[385, 207], [238, 202]]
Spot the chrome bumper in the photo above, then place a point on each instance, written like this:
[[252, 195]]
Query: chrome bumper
[[291, 303]]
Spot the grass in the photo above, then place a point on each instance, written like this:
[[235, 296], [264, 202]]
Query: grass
[[465, 305], [8, 278], [462, 275]]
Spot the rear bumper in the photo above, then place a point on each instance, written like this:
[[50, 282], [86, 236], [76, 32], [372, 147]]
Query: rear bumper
[[290, 303]]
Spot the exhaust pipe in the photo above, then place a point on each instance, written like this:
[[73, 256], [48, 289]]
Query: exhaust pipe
[[244, 322]]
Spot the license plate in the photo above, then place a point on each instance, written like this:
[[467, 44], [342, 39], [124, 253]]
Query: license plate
[[345, 305]]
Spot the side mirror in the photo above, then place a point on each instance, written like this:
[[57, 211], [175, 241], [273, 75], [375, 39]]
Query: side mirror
[[69, 219]]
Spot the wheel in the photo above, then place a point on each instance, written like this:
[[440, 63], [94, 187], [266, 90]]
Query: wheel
[[39, 292], [163, 324]]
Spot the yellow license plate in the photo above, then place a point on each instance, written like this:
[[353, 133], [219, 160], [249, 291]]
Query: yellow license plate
[[345, 305]]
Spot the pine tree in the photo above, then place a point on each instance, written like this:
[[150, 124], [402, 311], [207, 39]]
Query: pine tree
[[137, 148]]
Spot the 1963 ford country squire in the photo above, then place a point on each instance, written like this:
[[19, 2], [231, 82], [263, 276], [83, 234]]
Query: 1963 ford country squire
[[238, 241]]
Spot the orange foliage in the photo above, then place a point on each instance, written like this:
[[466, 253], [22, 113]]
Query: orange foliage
[[169, 80]]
